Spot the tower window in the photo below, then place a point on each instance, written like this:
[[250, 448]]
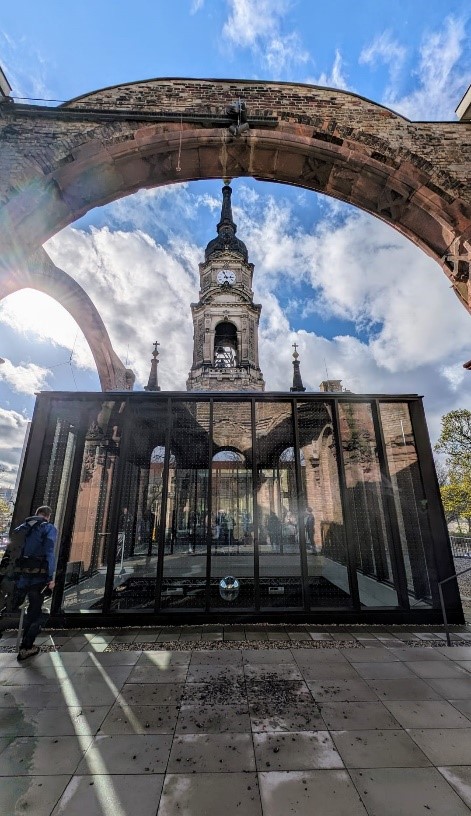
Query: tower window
[[225, 346]]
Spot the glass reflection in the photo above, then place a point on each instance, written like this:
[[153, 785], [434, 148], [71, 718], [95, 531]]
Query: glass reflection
[[324, 533], [369, 533], [409, 499], [278, 511], [232, 539]]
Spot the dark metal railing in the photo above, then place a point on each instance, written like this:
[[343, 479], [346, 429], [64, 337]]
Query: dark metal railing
[[442, 602], [461, 546]]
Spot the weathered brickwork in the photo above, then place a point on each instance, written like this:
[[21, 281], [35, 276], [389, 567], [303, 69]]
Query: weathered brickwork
[[56, 164]]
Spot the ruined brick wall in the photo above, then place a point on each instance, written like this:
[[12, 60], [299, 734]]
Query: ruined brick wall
[[57, 163]]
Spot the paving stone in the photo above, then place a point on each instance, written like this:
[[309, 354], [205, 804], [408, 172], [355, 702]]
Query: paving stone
[[151, 694], [341, 690], [379, 653], [222, 658], [427, 714], [295, 751], [275, 656], [271, 671], [207, 794], [405, 689], [329, 671], [109, 659], [217, 719], [34, 794], [459, 777], [212, 753], [408, 792], [221, 691], [140, 719], [164, 659], [208, 673], [272, 716], [48, 722], [281, 692], [383, 671], [452, 689], [443, 746], [126, 754], [308, 793], [378, 749], [42, 756], [123, 794], [353, 716], [156, 674], [420, 653], [436, 669]]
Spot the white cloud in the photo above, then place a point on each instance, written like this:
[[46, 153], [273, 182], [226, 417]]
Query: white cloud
[[258, 24], [335, 78], [196, 5], [25, 379], [36, 315], [142, 292], [30, 82], [387, 50], [12, 433], [441, 76]]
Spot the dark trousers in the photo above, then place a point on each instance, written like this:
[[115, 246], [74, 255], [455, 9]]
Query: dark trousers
[[35, 618]]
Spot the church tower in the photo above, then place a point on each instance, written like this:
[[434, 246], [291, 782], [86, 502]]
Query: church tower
[[225, 319]]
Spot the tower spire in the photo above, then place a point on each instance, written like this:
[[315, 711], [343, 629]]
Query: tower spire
[[153, 383], [297, 380], [227, 219], [226, 240]]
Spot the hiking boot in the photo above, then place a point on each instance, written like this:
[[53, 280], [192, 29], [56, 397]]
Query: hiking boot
[[23, 654]]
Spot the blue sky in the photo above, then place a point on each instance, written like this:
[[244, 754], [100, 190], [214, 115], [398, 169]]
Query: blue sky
[[342, 284]]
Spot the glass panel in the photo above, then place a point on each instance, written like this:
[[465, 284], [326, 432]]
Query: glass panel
[[139, 518], [323, 520], [186, 522], [52, 486], [409, 498], [369, 534], [86, 568], [278, 511], [232, 505]]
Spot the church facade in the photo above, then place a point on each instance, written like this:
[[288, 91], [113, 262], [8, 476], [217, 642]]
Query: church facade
[[226, 502]]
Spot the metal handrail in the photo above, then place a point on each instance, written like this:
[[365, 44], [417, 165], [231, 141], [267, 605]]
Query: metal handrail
[[440, 591]]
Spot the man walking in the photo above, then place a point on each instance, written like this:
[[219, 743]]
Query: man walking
[[36, 574]]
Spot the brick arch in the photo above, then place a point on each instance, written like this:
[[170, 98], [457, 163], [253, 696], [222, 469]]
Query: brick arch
[[59, 163], [44, 276]]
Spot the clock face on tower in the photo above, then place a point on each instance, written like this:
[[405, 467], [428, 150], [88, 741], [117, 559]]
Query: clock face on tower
[[226, 276]]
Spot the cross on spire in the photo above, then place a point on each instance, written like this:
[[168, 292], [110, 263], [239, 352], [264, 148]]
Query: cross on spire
[[153, 383], [297, 380]]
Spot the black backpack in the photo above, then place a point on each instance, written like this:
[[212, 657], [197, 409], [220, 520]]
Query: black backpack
[[31, 564]]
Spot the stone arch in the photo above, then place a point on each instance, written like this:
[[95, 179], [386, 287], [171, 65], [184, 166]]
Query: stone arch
[[110, 143], [42, 274]]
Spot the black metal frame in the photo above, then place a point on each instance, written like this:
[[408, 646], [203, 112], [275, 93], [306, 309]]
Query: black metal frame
[[439, 555]]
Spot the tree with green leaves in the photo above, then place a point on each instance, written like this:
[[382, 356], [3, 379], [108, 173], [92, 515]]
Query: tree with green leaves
[[5, 514], [455, 442]]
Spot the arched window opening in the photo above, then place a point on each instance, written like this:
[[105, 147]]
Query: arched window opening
[[225, 346]]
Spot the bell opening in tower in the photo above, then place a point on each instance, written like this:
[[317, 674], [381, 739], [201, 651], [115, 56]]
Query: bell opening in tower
[[225, 346]]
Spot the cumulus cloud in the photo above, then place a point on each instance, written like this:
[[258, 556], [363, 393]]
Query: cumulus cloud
[[440, 79], [38, 316], [196, 5], [25, 379], [142, 291], [258, 25], [12, 433]]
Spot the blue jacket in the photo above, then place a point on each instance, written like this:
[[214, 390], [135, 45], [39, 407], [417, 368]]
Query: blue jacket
[[39, 543]]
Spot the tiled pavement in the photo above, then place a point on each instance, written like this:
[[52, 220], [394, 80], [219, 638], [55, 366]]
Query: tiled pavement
[[380, 729]]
